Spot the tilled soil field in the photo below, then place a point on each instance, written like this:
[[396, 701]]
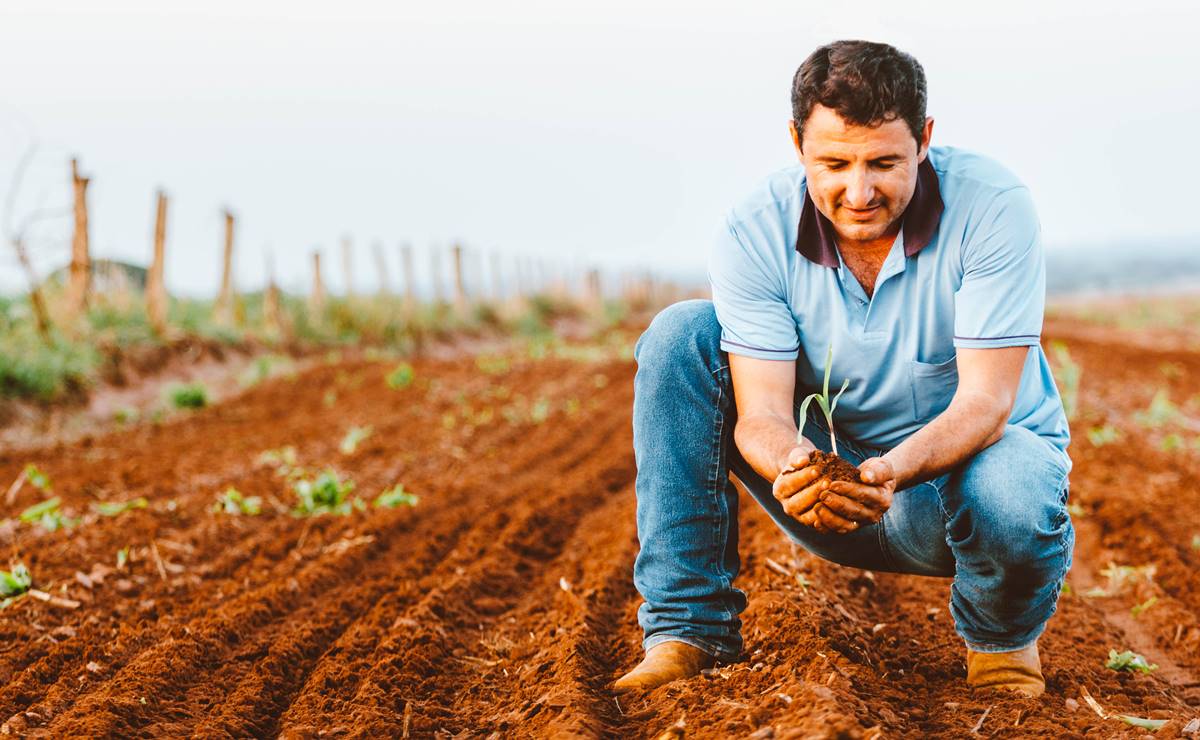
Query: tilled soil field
[[502, 604]]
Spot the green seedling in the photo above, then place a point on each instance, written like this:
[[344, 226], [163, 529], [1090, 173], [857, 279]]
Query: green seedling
[[1137, 609], [1196, 542], [395, 496], [48, 516], [1161, 411], [37, 478], [283, 460], [192, 396], [1129, 661], [1067, 372], [14, 584], [325, 494], [233, 502], [125, 415], [116, 508], [1142, 722], [1100, 436], [401, 377], [353, 437], [822, 399], [122, 558]]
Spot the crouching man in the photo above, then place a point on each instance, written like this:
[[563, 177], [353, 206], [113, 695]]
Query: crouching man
[[923, 269]]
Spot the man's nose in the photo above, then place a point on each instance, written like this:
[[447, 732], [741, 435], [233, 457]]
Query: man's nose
[[860, 191]]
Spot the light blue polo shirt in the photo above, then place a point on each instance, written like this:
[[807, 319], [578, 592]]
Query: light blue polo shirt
[[967, 270]]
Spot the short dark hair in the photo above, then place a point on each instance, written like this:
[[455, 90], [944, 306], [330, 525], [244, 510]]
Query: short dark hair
[[867, 83]]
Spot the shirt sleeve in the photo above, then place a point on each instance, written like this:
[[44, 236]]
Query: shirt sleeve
[[1003, 292], [750, 300]]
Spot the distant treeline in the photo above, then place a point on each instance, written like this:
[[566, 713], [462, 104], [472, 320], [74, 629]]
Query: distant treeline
[[1120, 268]]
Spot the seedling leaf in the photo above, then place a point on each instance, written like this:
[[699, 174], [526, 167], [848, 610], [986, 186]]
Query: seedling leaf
[[352, 439], [15, 582], [401, 377], [116, 508], [1147, 724], [233, 502], [395, 496], [1128, 661]]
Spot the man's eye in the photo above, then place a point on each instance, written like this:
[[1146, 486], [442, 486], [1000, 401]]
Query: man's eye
[[884, 165], [835, 166]]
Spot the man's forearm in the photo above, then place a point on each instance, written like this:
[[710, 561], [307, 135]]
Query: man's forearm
[[765, 441], [968, 425]]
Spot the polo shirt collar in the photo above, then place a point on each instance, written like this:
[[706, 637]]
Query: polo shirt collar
[[817, 241]]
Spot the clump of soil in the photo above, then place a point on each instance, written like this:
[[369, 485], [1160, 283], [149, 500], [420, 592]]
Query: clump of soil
[[833, 467]]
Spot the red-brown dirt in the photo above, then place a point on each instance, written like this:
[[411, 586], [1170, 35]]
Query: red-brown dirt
[[502, 605]]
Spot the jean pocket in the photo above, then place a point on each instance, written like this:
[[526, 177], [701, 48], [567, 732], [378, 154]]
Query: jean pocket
[[933, 385]]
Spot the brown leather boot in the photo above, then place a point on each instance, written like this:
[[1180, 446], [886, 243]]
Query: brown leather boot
[[1019, 671], [664, 663]]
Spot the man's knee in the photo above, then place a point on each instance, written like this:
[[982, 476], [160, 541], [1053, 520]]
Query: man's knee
[[681, 329], [1009, 502]]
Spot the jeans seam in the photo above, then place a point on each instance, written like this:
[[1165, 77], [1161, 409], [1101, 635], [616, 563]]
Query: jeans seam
[[716, 490]]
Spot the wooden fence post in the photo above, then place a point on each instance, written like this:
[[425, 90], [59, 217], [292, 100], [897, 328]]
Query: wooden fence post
[[156, 289], [348, 265], [381, 268], [410, 278], [460, 292], [224, 307], [435, 274], [272, 321], [316, 299], [79, 279]]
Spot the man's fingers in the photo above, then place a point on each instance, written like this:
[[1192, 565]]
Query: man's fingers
[[849, 508], [805, 500], [787, 483], [875, 497], [834, 522]]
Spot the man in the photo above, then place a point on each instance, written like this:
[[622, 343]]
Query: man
[[923, 270]]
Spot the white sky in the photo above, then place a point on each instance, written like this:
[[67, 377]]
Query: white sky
[[614, 132]]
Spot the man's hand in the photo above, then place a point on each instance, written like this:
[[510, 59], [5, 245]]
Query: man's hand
[[859, 503], [799, 488]]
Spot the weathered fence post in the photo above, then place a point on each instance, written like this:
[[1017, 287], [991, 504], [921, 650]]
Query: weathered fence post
[[460, 291], [316, 299], [272, 320], [435, 274], [348, 265], [79, 279], [156, 289], [410, 278], [224, 307], [381, 268]]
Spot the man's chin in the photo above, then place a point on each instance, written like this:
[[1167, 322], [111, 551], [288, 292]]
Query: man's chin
[[859, 232]]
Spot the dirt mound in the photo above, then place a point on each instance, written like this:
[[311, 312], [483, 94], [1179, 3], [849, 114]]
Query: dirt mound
[[502, 603]]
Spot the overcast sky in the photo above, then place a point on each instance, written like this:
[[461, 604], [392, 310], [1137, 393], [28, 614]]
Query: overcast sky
[[615, 133]]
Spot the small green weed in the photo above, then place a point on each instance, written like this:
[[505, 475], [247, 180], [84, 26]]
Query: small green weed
[[190, 396], [325, 494], [116, 508], [48, 515], [401, 377], [352, 439], [1100, 436], [1128, 661], [233, 502], [395, 496], [1161, 411]]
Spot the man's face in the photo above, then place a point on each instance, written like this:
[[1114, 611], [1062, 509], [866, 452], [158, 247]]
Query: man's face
[[860, 177]]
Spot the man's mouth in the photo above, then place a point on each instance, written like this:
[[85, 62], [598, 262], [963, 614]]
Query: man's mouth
[[861, 214]]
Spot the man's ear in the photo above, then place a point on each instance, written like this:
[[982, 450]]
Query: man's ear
[[795, 136], [926, 137]]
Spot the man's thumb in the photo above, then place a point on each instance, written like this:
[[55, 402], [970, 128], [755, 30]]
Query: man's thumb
[[871, 472]]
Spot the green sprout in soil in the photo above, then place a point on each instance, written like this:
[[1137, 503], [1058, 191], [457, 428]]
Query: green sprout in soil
[[14, 584], [1129, 661], [122, 558], [325, 494], [1196, 542], [822, 399], [395, 496], [1142, 722], [1137, 609], [540, 410], [353, 437], [191, 396], [233, 502], [1100, 436], [1067, 372], [1160, 411], [283, 460], [116, 508], [48, 516], [37, 478], [400, 377]]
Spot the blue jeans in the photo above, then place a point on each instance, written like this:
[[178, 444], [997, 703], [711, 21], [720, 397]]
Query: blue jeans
[[998, 524]]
